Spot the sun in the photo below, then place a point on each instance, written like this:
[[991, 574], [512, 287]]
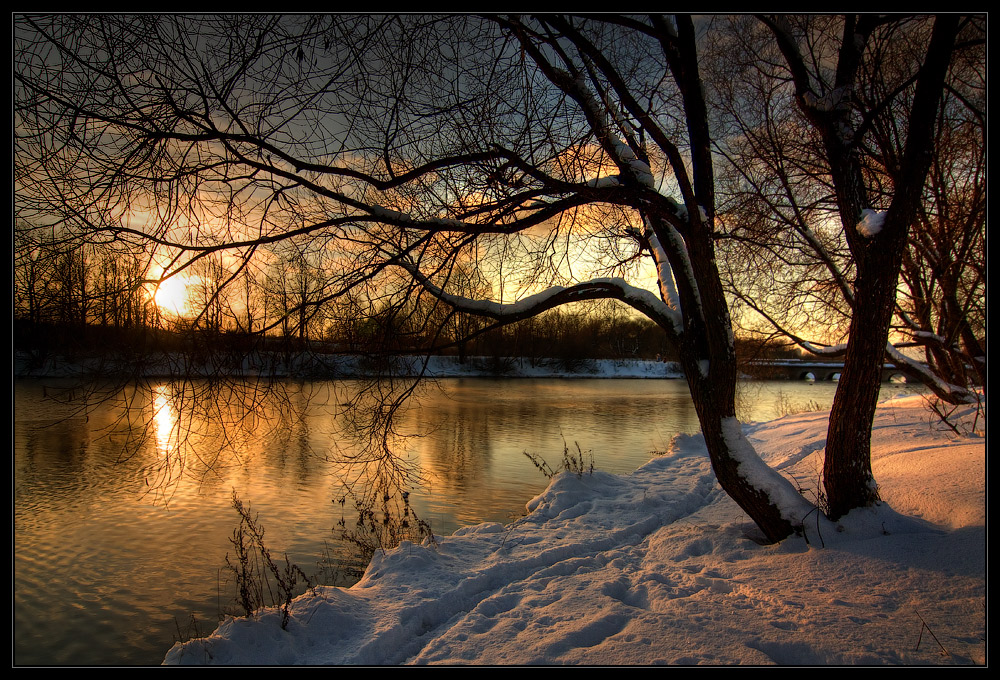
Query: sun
[[174, 295]]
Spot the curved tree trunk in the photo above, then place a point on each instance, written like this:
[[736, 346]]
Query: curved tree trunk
[[731, 455], [708, 356]]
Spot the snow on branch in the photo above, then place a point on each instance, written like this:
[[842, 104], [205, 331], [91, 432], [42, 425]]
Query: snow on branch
[[779, 491], [929, 338], [597, 115], [871, 222], [678, 247], [396, 217], [830, 351], [830, 101], [640, 299], [664, 274], [925, 337], [953, 394]]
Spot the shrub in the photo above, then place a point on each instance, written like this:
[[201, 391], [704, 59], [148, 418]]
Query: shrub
[[259, 581]]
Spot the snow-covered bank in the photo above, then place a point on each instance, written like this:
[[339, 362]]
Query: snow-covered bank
[[658, 567], [327, 366], [450, 367]]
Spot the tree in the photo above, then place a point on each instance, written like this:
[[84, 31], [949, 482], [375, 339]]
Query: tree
[[848, 141], [560, 159], [876, 247], [33, 264], [783, 209], [943, 304]]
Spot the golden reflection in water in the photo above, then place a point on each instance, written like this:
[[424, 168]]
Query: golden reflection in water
[[165, 470], [165, 418]]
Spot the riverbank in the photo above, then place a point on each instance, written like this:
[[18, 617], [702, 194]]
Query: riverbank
[[335, 366], [660, 567]]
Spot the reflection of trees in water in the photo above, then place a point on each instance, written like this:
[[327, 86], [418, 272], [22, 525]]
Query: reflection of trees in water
[[449, 445], [461, 447], [207, 430], [201, 429], [477, 425], [57, 448], [298, 428], [165, 433]]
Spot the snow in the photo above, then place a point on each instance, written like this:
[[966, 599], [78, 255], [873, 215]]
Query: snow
[[642, 299], [703, 366], [659, 567], [930, 378], [871, 222], [665, 277], [638, 168], [833, 350], [347, 366], [643, 173], [624, 152], [829, 101], [679, 246], [792, 506], [604, 182]]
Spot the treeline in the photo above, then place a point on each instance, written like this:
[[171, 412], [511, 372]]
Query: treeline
[[601, 332], [74, 299], [59, 283], [71, 298]]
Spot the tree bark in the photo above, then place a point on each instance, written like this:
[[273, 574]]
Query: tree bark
[[708, 355], [847, 471]]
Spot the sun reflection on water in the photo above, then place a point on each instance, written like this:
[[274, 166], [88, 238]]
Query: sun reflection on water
[[165, 417]]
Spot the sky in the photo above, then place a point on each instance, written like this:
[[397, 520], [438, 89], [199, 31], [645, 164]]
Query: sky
[[660, 567]]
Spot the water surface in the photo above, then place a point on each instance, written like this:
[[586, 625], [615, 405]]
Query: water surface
[[122, 525]]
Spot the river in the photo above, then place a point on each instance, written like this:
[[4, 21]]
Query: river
[[123, 518]]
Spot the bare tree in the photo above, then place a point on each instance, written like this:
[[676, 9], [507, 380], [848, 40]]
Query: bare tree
[[782, 206], [848, 141], [942, 306], [560, 159], [33, 262]]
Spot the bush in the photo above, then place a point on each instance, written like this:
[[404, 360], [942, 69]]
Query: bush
[[259, 581], [572, 462]]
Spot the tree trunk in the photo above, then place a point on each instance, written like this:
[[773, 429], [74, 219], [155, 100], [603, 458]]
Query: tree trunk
[[847, 471], [848, 478], [727, 450], [708, 356]]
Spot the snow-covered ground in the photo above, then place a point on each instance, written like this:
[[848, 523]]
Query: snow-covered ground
[[657, 567]]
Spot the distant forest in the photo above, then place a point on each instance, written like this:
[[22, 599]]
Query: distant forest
[[85, 301]]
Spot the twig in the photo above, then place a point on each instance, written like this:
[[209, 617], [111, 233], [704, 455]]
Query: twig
[[923, 625]]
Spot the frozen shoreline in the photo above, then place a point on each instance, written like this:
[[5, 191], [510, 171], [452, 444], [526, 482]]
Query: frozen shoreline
[[319, 366], [657, 567]]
